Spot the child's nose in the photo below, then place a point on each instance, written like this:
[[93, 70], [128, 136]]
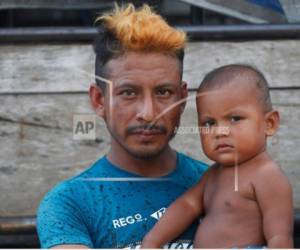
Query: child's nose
[[222, 130]]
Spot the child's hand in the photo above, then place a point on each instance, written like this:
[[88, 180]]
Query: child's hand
[[148, 243]]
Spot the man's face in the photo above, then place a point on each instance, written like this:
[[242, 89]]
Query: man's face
[[144, 85], [234, 123]]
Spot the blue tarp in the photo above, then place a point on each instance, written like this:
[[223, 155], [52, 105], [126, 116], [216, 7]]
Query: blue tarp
[[271, 4]]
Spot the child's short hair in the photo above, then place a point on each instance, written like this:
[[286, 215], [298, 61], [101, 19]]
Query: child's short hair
[[226, 74], [130, 29]]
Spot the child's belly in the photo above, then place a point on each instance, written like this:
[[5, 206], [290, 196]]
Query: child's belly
[[229, 230]]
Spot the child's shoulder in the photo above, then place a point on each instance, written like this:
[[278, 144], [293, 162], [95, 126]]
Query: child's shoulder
[[271, 174], [269, 168]]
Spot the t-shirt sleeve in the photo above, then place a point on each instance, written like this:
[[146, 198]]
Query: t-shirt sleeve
[[60, 221]]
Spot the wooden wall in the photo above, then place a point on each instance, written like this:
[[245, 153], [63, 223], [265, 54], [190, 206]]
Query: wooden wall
[[43, 86]]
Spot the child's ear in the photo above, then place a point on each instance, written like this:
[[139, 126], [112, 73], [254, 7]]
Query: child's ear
[[272, 120]]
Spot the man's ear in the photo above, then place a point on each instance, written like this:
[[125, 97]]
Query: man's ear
[[184, 94], [272, 120], [97, 100]]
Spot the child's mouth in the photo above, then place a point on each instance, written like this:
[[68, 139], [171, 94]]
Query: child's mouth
[[224, 147]]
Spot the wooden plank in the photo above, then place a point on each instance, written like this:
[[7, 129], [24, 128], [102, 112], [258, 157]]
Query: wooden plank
[[240, 9], [44, 68], [278, 60], [61, 68], [38, 150], [34, 159], [37, 147]]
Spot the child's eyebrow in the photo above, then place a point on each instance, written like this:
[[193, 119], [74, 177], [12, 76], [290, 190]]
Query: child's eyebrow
[[240, 109], [236, 111], [205, 117]]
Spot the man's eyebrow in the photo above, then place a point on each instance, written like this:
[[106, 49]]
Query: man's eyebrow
[[127, 85], [136, 86], [166, 85]]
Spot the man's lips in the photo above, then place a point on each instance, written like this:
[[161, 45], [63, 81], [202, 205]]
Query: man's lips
[[147, 135], [144, 132]]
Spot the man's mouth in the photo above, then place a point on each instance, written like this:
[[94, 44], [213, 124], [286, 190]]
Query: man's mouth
[[147, 132], [146, 136]]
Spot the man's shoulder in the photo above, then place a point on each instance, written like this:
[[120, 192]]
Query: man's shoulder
[[192, 163], [96, 169], [72, 186]]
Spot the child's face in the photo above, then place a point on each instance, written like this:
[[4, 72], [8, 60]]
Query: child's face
[[234, 123]]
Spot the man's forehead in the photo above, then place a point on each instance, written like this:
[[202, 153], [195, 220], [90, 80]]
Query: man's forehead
[[141, 68], [142, 60]]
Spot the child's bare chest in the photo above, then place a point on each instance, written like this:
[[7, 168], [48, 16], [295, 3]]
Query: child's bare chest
[[230, 192]]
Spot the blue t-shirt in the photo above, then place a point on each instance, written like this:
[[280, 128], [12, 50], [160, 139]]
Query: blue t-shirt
[[107, 207]]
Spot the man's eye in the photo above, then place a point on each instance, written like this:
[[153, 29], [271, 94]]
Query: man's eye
[[128, 93], [164, 92], [235, 118]]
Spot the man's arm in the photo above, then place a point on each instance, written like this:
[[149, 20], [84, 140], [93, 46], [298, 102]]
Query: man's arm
[[181, 213], [60, 222], [275, 198]]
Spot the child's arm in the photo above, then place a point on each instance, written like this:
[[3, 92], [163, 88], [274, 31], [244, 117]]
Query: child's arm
[[275, 198], [181, 213]]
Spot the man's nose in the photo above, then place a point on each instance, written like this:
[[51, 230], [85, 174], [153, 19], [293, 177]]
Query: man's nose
[[146, 109]]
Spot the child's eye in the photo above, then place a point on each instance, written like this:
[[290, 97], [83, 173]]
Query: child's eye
[[235, 118], [208, 123]]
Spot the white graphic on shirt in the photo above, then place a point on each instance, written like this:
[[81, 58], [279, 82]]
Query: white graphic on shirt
[[172, 245], [125, 221], [158, 214]]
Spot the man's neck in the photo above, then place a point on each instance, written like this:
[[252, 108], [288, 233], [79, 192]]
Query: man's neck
[[157, 166]]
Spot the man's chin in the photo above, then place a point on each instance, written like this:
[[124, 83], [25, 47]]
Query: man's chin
[[144, 150], [146, 153]]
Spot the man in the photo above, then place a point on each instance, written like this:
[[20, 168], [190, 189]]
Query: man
[[139, 93]]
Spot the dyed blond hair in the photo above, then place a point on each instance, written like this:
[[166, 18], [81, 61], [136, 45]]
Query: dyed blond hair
[[142, 30]]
